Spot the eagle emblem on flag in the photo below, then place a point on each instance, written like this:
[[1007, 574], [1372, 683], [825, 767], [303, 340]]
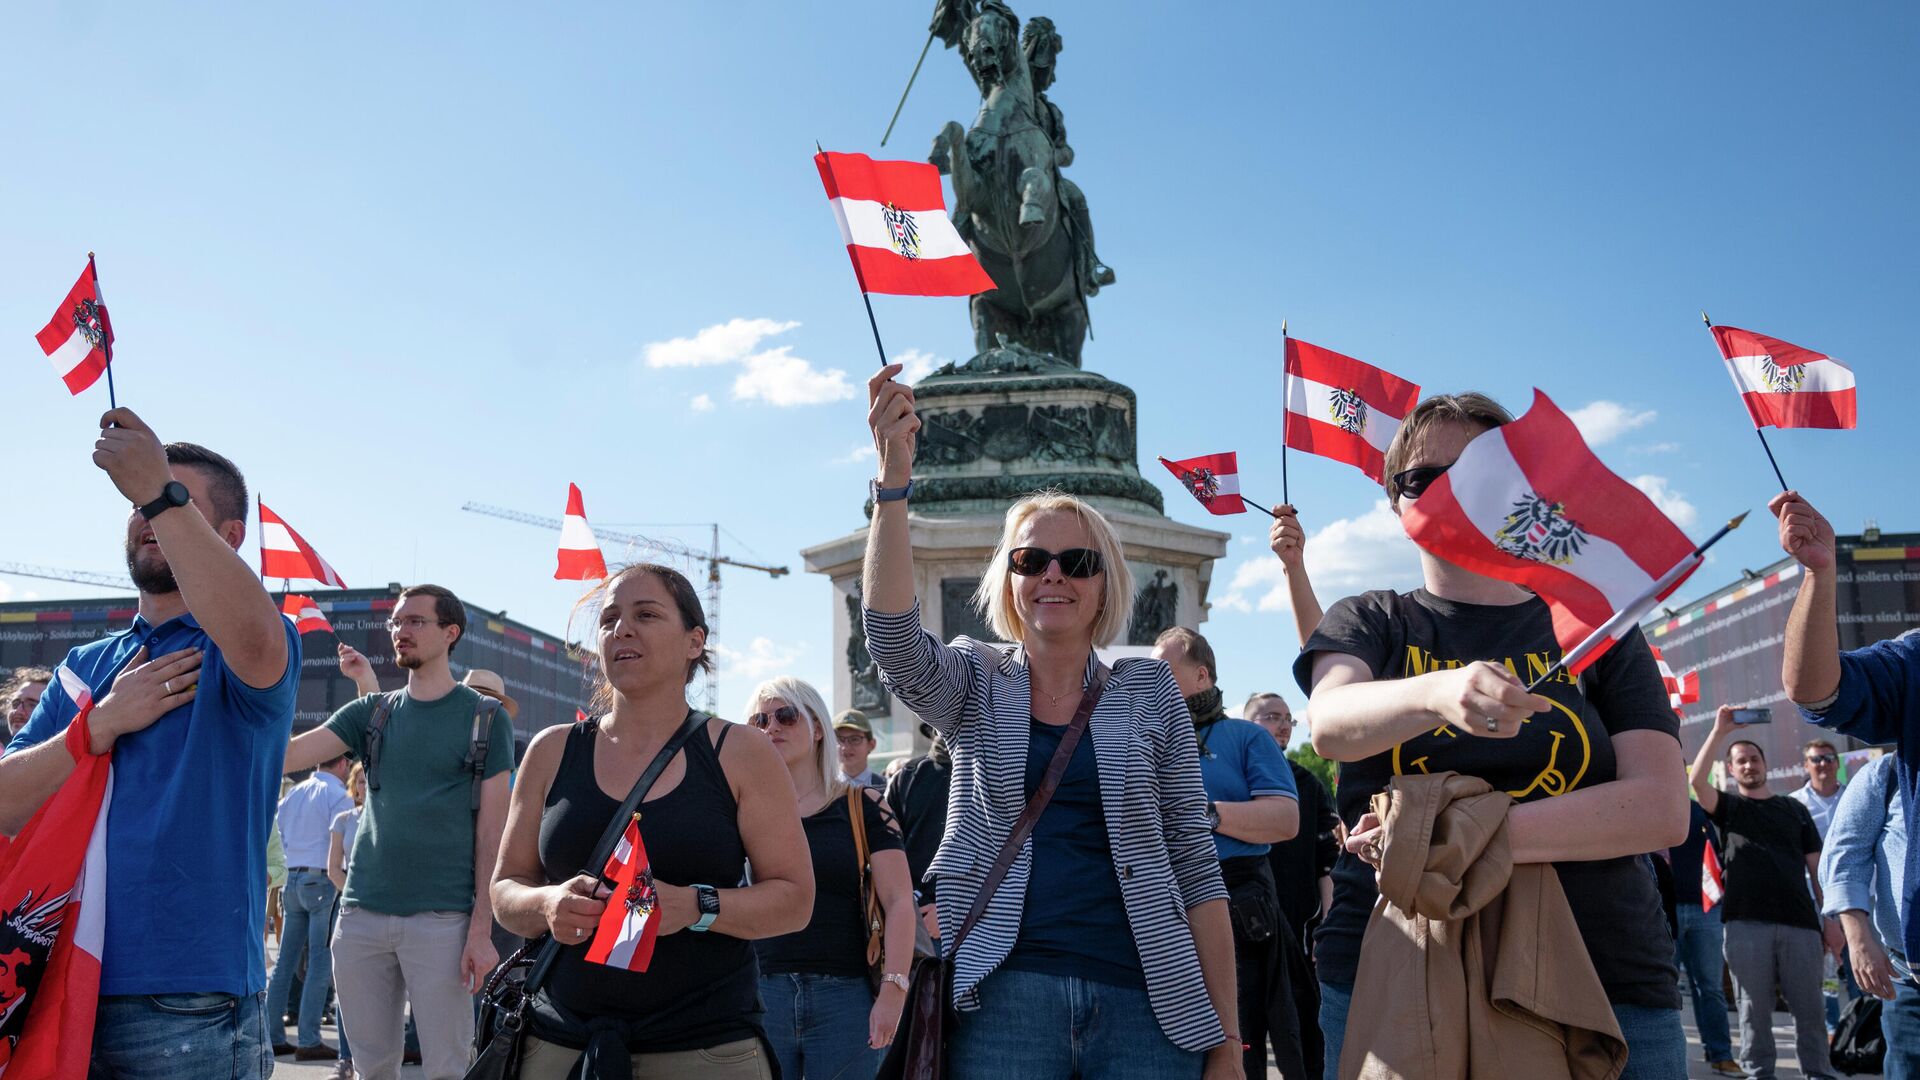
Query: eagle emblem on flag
[[1541, 531], [1782, 380], [1349, 411], [902, 231], [1202, 482], [86, 319]]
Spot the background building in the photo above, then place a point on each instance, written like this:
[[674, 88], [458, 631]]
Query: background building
[[545, 677]]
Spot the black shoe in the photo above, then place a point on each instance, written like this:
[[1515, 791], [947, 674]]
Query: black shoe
[[282, 1049], [411, 1057], [322, 1052]]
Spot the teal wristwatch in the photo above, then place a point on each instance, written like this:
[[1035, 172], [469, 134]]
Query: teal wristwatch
[[709, 899]]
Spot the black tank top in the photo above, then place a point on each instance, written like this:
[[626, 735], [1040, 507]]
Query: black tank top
[[701, 989]]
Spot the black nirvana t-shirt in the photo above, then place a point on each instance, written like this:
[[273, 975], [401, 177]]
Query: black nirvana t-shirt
[[1614, 901]]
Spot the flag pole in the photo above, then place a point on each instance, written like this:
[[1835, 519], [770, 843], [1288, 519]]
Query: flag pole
[[1636, 608], [867, 300], [1757, 429], [909, 89], [106, 331], [1285, 400]]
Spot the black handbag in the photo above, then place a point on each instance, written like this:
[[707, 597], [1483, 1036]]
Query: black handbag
[[502, 1023], [919, 1047]]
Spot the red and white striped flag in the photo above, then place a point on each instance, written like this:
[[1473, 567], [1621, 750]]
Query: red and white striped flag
[[1342, 408], [305, 614], [1784, 385], [628, 927], [284, 554], [1214, 479], [53, 889], [1681, 689], [1527, 502], [79, 337], [1713, 884], [580, 558], [893, 218]]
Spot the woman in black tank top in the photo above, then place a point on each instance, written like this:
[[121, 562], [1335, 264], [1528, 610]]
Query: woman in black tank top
[[721, 804]]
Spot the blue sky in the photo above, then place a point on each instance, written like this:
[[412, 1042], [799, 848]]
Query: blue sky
[[397, 258]]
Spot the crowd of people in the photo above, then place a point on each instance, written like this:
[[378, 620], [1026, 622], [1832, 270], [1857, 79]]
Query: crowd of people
[[1122, 879]]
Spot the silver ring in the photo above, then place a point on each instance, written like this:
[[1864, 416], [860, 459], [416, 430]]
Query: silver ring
[[1492, 724], [579, 932], [168, 683]]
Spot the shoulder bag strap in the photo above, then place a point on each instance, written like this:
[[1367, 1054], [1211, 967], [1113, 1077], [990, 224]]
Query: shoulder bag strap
[[377, 736], [1036, 804], [616, 827], [870, 912], [477, 746]]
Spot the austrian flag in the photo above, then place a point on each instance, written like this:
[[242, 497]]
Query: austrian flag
[[580, 558], [284, 554], [305, 614], [1784, 385], [1342, 408], [894, 221], [79, 337], [628, 926], [1213, 479], [1528, 503]]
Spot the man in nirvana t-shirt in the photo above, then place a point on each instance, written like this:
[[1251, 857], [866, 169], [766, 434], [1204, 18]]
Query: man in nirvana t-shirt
[[1772, 920]]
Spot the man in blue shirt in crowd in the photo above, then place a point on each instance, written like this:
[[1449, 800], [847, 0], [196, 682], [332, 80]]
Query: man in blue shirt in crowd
[[195, 700], [1872, 694], [1251, 805], [1863, 873]]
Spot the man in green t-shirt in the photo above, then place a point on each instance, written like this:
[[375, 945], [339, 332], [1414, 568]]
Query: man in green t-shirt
[[416, 918]]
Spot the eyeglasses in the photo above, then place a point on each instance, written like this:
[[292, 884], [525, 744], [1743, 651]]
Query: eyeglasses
[[851, 738], [1074, 562], [1414, 482], [416, 623], [787, 715], [1273, 718], [1821, 759]]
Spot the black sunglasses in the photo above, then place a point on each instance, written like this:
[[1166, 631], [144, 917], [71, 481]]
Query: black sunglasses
[[1074, 562], [1414, 482], [786, 714], [1821, 759]]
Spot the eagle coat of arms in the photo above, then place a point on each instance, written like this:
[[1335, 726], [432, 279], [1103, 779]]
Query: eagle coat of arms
[[1349, 411], [1782, 380], [1540, 531], [1202, 482], [902, 231]]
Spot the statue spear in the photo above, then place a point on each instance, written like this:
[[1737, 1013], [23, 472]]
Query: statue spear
[[931, 34]]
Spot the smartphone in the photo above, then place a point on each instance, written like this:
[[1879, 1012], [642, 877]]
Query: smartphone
[[1753, 716]]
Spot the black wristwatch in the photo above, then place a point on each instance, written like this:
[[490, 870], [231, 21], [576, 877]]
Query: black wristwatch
[[174, 494], [709, 900], [881, 494], [1213, 816]]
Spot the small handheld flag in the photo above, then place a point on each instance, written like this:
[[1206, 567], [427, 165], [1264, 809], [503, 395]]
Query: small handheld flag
[[305, 614], [1712, 882], [284, 554], [893, 219], [1681, 689], [1213, 480], [1784, 385], [580, 558], [1342, 408], [79, 337], [628, 926]]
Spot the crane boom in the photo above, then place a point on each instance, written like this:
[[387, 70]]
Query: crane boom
[[78, 577]]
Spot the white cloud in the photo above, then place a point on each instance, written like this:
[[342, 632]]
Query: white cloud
[[1605, 421], [860, 452], [1671, 503], [1658, 448], [918, 365], [780, 378], [725, 343], [1349, 555], [763, 658], [701, 403]]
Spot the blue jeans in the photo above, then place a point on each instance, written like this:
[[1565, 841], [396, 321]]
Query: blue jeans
[[1656, 1043], [308, 903], [168, 1036], [1900, 1025], [818, 1026], [1697, 951], [1032, 1026]]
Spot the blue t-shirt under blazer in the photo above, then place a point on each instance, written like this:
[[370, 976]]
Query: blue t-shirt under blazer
[[193, 800]]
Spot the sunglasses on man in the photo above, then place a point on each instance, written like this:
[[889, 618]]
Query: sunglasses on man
[[786, 716], [1821, 759], [1074, 562], [1413, 483]]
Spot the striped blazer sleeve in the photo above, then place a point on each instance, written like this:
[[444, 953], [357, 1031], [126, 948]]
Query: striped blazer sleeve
[[1183, 803], [932, 679]]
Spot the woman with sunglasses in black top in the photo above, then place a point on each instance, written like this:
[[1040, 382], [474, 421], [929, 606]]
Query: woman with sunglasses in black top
[[1106, 948], [825, 1019], [1434, 680]]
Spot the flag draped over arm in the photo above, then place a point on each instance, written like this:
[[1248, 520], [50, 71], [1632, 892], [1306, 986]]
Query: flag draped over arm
[[1342, 408], [1529, 503], [893, 218]]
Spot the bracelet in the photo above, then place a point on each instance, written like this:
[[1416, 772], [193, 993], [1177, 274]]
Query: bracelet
[[897, 980]]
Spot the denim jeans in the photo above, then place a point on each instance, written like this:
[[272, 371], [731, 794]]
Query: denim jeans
[[169, 1036], [1697, 952], [1900, 1026], [818, 1026], [308, 904], [1032, 1026]]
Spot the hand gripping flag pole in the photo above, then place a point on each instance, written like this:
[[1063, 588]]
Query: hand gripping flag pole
[[1757, 430], [1634, 611]]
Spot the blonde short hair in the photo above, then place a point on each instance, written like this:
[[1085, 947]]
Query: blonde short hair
[[801, 695], [994, 597]]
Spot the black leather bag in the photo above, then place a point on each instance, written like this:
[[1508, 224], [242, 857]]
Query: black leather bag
[[502, 1023], [1859, 1045]]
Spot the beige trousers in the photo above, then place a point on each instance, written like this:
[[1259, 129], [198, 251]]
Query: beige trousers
[[743, 1060], [383, 962]]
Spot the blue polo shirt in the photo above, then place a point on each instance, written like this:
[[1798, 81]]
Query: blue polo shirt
[[1240, 762], [193, 800]]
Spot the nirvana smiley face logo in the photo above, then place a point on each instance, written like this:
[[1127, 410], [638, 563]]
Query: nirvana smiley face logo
[[902, 231], [1348, 411], [1541, 531]]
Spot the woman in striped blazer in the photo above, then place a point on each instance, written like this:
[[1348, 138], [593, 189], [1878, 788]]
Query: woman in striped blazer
[[1107, 949]]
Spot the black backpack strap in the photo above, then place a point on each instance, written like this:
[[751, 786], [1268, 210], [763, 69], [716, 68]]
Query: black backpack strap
[[377, 735], [477, 747]]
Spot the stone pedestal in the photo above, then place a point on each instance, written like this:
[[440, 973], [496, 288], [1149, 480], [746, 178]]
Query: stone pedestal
[[987, 440]]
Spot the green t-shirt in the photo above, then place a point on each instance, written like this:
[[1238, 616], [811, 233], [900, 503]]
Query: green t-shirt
[[414, 850]]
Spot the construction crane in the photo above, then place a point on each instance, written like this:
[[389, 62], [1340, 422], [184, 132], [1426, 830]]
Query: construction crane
[[712, 558], [118, 582]]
